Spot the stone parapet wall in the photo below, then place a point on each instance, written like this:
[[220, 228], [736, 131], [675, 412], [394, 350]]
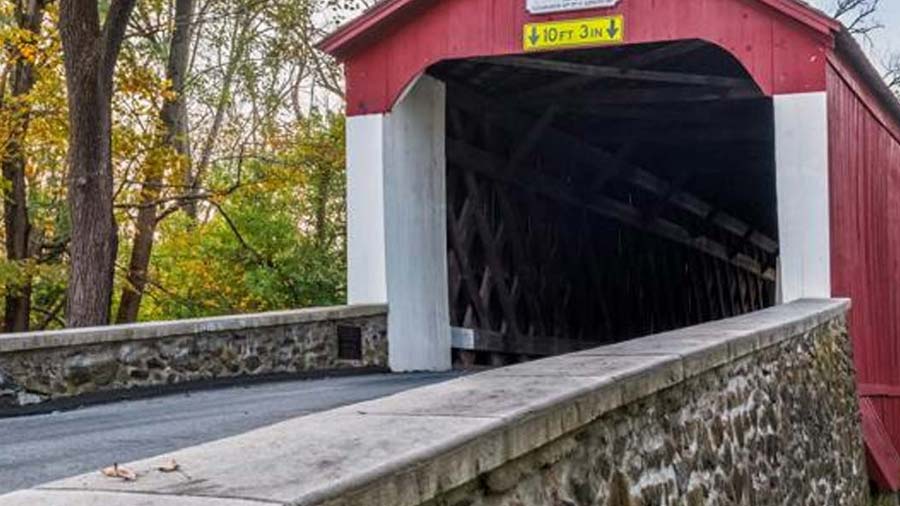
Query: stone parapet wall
[[776, 427], [46, 366], [755, 410]]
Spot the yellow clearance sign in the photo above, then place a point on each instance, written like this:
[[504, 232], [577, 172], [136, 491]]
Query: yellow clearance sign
[[574, 32]]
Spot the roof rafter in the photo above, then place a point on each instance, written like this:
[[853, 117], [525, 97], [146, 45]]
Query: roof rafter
[[660, 54], [612, 72]]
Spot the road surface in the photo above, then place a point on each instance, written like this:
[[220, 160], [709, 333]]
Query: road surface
[[42, 448]]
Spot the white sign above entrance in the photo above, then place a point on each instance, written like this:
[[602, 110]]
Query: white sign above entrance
[[546, 6]]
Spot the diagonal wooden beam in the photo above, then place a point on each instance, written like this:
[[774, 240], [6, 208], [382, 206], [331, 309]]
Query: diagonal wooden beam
[[489, 165], [662, 201], [593, 156], [608, 72], [467, 274], [530, 143], [492, 255], [617, 168]]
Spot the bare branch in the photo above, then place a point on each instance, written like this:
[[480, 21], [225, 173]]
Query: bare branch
[[858, 16]]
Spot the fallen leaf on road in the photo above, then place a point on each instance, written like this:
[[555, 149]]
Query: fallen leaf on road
[[169, 467], [117, 471]]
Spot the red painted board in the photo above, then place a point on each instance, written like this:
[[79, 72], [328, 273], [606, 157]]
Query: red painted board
[[881, 456], [781, 53]]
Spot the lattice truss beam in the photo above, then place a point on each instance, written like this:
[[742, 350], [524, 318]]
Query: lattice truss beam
[[553, 236]]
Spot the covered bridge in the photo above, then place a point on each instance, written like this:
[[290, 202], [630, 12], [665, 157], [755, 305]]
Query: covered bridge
[[528, 177]]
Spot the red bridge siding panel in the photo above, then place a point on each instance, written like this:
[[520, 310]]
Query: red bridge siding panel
[[865, 234], [882, 458], [783, 55]]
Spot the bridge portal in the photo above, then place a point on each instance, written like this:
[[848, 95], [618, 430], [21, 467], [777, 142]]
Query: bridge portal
[[516, 206], [598, 195], [530, 177]]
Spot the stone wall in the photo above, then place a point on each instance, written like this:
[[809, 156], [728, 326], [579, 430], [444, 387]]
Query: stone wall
[[757, 410], [43, 366], [778, 427]]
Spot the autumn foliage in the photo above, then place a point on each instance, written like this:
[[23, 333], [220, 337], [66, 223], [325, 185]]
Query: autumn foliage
[[247, 194]]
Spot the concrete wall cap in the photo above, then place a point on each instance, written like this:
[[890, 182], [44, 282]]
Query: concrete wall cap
[[158, 330]]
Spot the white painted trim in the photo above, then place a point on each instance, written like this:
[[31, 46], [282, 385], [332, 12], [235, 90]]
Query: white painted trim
[[801, 157], [366, 266], [416, 230], [411, 85], [396, 224]]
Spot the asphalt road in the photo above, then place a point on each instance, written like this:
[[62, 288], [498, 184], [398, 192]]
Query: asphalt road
[[42, 448]]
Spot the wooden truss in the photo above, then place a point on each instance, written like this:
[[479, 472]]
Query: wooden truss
[[540, 250]]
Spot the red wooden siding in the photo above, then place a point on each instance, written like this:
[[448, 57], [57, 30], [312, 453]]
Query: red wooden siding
[[882, 459], [782, 54], [865, 235]]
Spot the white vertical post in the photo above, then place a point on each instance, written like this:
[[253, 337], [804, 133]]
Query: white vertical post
[[366, 267], [416, 230], [397, 231], [801, 158]]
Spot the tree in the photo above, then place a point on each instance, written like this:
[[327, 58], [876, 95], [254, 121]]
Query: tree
[[173, 138], [265, 177], [859, 16], [29, 16], [276, 242], [235, 50], [90, 51]]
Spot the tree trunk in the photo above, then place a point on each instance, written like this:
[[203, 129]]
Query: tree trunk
[[174, 135], [90, 53], [90, 185], [17, 314]]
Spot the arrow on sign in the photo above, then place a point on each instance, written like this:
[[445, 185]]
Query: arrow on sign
[[613, 29], [534, 37]]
